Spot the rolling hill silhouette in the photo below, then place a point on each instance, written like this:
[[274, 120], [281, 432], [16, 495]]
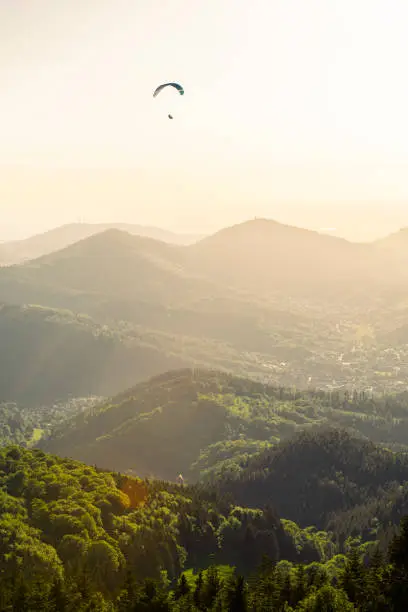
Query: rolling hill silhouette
[[255, 258], [17, 251], [263, 256]]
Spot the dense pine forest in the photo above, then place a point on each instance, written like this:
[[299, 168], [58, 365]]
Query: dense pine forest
[[77, 538], [288, 503]]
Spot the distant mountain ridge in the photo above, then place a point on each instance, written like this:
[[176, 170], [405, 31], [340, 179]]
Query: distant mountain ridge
[[255, 256], [33, 247], [17, 251], [261, 298], [258, 263]]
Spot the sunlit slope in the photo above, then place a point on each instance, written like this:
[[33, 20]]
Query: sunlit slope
[[17, 251], [111, 263], [264, 256], [203, 423], [157, 427], [48, 355], [51, 354], [112, 274]]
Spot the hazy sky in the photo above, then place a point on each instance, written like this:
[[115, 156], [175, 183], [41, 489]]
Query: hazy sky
[[294, 110]]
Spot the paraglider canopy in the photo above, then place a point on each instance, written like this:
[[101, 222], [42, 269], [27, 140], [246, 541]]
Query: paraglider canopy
[[175, 85]]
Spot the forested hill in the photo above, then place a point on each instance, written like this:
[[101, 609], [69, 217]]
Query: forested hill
[[318, 474], [65, 525], [78, 539], [204, 422]]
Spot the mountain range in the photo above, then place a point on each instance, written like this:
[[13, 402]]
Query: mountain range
[[258, 256], [261, 299]]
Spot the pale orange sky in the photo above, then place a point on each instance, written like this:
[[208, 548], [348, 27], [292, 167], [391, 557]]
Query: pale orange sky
[[294, 110]]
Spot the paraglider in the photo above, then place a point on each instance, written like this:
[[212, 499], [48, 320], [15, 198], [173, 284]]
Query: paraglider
[[161, 87]]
